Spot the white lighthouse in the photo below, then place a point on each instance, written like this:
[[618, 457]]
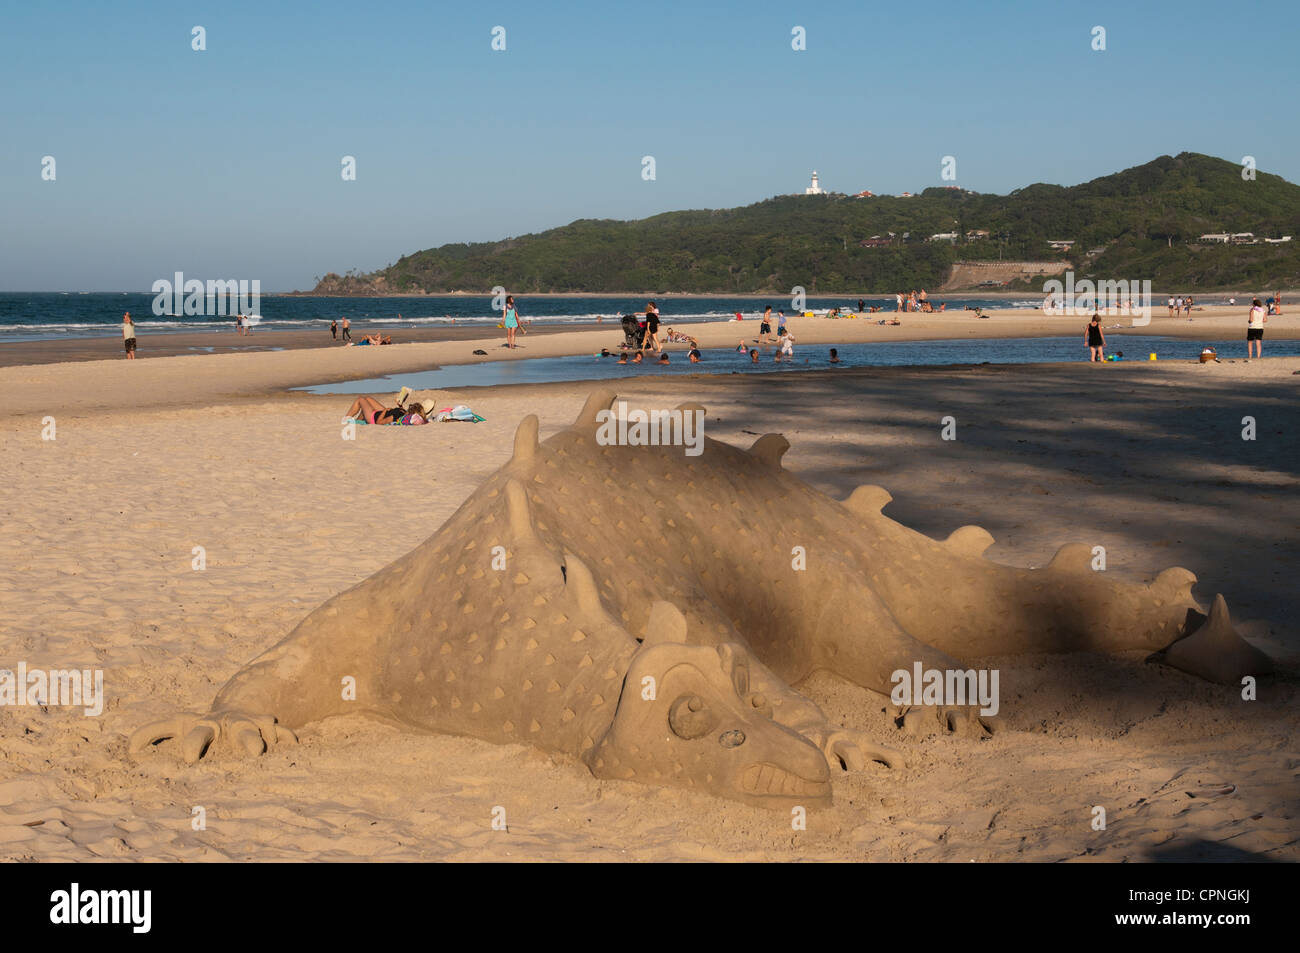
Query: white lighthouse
[[814, 189]]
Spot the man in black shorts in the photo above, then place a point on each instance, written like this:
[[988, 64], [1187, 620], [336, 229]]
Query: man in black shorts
[[765, 329], [1255, 319]]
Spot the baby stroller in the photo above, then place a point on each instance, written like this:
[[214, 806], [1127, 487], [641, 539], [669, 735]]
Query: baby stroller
[[631, 332]]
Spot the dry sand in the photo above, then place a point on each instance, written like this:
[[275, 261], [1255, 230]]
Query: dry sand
[[159, 456]]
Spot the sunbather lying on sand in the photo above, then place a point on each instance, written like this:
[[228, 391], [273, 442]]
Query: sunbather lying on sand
[[371, 339], [373, 412]]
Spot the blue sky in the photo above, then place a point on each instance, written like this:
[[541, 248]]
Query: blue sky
[[226, 163]]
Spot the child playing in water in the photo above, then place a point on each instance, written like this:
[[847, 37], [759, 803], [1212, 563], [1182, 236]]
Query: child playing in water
[[835, 356]]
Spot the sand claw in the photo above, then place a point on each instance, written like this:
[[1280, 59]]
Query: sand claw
[[250, 735], [855, 750]]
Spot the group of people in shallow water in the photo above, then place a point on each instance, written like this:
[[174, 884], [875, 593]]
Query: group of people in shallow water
[[1095, 338], [643, 335]]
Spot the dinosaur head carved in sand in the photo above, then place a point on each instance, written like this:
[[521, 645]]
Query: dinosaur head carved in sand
[[688, 717]]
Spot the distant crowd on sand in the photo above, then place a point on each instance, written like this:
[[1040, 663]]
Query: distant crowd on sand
[[368, 340], [915, 302]]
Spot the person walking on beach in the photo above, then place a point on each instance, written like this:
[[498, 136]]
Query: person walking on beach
[[1171, 306], [510, 318], [128, 336], [780, 323], [1255, 330], [1277, 303], [334, 330], [651, 339], [898, 302], [1095, 338], [1187, 307], [765, 329], [347, 329]]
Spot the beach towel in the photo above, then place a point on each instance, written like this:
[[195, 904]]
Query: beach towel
[[459, 413]]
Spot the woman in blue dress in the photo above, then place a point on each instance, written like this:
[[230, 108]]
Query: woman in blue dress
[[510, 318]]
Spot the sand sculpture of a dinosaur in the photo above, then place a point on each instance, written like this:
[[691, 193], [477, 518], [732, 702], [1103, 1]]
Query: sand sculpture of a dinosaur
[[639, 609]]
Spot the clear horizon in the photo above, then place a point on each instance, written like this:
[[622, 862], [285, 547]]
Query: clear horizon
[[225, 162]]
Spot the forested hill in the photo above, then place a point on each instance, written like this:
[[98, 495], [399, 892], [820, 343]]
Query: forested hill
[[1144, 222]]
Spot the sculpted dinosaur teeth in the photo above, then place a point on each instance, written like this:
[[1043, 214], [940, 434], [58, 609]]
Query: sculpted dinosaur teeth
[[769, 780]]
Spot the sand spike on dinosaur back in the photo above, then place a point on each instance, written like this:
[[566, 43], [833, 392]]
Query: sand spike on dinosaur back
[[770, 448], [1176, 581], [598, 400], [868, 500], [578, 578], [525, 440], [969, 540], [1072, 557], [666, 624], [521, 519]]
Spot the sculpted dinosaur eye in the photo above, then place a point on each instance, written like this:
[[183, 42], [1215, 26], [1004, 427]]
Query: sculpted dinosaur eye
[[689, 717], [732, 739]]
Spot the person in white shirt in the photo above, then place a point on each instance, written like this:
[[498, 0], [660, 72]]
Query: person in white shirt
[[1255, 330], [128, 336], [1171, 306]]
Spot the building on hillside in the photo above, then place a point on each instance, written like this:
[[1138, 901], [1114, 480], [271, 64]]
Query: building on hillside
[[864, 194], [875, 241], [944, 237], [1278, 241], [907, 195], [977, 233], [1064, 245], [1243, 238], [814, 189], [1220, 238]]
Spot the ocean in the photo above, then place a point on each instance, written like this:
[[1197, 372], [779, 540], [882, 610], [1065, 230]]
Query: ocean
[[36, 316]]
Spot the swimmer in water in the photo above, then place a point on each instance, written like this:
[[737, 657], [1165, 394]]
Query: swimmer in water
[[835, 356]]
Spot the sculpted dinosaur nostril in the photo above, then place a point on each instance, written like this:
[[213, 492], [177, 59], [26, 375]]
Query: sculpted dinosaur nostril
[[732, 739], [689, 718], [758, 700]]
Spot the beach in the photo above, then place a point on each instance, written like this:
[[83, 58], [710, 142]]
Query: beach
[[191, 509]]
